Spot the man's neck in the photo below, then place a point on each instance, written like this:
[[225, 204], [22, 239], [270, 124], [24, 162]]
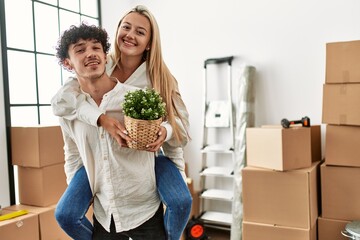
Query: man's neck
[[97, 87]]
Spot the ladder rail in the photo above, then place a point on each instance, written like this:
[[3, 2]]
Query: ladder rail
[[231, 106]]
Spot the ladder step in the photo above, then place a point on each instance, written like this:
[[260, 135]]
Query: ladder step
[[217, 171], [217, 194], [217, 218], [221, 148]]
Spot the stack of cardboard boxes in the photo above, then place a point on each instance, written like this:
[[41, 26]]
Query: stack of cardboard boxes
[[340, 172], [280, 183], [39, 156]]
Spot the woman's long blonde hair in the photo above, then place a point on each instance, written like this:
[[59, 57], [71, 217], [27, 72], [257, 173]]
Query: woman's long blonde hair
[[161, 78]]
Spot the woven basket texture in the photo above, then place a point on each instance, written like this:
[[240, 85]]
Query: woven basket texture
[[143, 132]]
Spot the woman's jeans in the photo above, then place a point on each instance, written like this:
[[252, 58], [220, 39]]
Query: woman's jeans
[[73, 205], [173, 191]]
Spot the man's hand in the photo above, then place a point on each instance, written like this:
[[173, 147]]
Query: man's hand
[[155, 146], [115, 129]]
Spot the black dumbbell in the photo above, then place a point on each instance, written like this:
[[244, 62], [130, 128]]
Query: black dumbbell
[[305, 122]]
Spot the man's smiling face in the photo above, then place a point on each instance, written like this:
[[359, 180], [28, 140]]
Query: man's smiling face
[[87, 58]]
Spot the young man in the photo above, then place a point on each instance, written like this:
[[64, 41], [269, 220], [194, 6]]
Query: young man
[[122, 180]]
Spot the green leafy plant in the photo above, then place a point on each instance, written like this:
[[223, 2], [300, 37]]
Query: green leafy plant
[[145, 104]]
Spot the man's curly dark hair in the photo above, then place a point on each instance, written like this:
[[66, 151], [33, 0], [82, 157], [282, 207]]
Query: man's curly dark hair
[[75, 33]]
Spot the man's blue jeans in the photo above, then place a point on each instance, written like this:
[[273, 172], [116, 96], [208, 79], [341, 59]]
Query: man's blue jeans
[[173, 191]]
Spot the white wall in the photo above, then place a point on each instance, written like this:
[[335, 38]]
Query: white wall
[[4, 179], [284, 40]]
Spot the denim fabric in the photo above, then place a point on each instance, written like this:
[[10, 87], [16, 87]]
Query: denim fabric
[[173, 191], [72, 207], [176, 196], [152, 229]]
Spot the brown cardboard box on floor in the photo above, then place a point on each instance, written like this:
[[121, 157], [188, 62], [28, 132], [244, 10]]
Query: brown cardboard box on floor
[[259, 231], [37, 146], [342, 146], [49, 228], [195, 203], [195, 199], [340, 193], [341, 104], [19, 228], [281, 198], [274, 147], [330, 229], [343, 62], [41, 187]]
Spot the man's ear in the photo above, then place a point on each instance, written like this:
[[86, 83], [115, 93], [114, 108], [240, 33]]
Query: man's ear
[[67, 64]]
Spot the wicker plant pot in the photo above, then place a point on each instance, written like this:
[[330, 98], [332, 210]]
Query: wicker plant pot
[[143, 132]]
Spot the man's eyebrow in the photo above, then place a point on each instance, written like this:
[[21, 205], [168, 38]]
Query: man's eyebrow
[[79, 44], [82, 43]]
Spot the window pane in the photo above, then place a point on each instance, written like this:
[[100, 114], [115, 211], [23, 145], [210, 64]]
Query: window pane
[[49, 77], [72, 5], [46, 31], [52, 2], [89, 7], [19, 27], [22, 83], [47, 117], [18, 113], [90, 21], [67, 19]]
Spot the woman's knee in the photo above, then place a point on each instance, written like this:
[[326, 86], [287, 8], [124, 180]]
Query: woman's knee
[[180, 204], [187, 202], [64, 217]]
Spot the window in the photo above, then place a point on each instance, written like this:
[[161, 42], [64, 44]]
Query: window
[[29, 32]]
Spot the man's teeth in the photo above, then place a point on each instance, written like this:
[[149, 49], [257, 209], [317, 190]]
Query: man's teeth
[[92, 63]]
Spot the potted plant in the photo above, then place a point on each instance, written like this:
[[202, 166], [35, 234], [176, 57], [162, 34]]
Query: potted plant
[[144, 111]]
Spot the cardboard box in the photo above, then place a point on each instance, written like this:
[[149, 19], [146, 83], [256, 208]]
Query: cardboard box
[[343, 62], [340, 193], [281, 198], [22, 227], [195, 207], [258, 231], [37, 146], [283, 149], [41, 187], [341, 104], [49, 228], [342, 146], [330, 229]]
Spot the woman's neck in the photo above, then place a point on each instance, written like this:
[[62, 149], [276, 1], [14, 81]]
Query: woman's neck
[[125, 68]]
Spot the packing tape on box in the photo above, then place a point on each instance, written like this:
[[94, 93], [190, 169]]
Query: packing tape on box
[[342, 119], [346, 76], [343, 89]]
